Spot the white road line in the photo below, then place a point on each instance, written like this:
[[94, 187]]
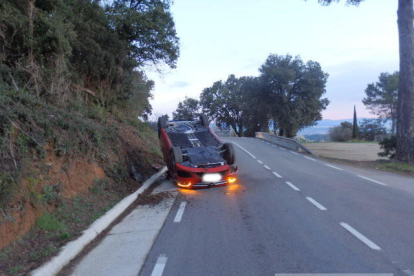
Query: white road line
[[310, 158], [278, 175], [359, 236], [292, 186], [372, 180], [254, 157], [180, 212], [334, 167], [409, 272], [294, 152], [267, 167], [282, 148], [317, 204], [159, 266], [260, 161]]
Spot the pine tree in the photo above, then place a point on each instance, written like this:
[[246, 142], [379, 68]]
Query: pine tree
[[355, 126]]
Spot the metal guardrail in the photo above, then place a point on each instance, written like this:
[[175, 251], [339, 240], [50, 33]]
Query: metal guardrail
[[284, 142]]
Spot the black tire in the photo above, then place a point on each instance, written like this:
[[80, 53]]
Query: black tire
[[204, 120], [228, 153], [176, 155], [162, 124]]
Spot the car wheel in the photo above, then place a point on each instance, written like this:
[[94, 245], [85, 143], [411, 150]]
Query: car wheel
[[162, 124], [176, 155], [204, 120], [228, 153]]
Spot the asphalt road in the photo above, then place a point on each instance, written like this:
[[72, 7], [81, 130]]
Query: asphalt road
[[289, 213]]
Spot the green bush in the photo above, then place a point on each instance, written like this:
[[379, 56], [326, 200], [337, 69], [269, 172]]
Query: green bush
[[389, 146], [49, 222]]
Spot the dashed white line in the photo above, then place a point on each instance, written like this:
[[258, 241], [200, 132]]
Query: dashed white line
[[260, 161], [254, 157], [292, 186], [336, 168], [372, 180], [310, 158], [159, 266], [180, 212], [359, 236], [317, 204], [282, 148], [294, 152], [278, 175], [267, 167], [409, 272]]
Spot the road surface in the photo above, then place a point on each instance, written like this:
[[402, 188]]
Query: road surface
[[289, 213]]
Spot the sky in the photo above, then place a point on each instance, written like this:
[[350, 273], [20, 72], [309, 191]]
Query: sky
[[222, 37]]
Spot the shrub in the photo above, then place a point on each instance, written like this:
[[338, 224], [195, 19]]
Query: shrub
[[389, 146], [340, 134]]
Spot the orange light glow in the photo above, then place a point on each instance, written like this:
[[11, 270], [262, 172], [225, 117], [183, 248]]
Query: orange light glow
[[184, 184], [231, 179]]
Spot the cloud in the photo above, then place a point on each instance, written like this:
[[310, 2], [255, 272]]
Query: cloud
[[178, 84]]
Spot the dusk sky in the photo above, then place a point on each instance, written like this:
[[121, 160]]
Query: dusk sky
[[222, 37]]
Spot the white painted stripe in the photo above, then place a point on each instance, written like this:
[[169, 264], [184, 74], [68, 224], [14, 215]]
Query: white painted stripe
[[159, 266], [267, 167], [278, 175], [317, 204], [409, 272], [372, 180], [294, 152], [254, 157], [292, 186], [260, 161], [334, 167], [282, 148], [310, 158], [180, 212], [359, 236]]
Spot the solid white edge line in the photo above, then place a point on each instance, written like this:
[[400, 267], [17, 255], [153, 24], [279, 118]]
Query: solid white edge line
[[336, 168], [159, 266], [260, 161], [267, 167], [278, 175], [317, 204], [246, 151], [372, 180], [180, 212], [292, 186], [310, 158], [359, 236]]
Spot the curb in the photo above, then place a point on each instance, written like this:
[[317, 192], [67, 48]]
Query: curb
[[73, 248]]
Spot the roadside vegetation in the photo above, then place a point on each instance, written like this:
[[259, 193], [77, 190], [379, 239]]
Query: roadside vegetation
[[71, 88]]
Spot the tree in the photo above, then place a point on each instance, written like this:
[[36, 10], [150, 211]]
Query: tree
[[223, 102], [405, 103], [341, 133], [371, 127], [355, 125], [294, 92], [382, 97], [187, 110]]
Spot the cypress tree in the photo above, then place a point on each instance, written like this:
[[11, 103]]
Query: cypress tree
[[355, 129]]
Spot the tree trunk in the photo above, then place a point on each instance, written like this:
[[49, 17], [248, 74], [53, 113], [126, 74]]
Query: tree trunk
[[405, 106]]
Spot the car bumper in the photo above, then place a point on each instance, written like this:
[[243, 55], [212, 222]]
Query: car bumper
[[187, 177]]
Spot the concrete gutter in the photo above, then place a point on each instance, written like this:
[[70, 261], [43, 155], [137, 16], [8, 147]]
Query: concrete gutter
[[284, 142], [73, 248]]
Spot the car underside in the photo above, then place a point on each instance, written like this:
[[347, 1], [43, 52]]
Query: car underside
[[194, 155]]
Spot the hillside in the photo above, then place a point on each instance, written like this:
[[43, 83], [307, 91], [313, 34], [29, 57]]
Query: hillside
[[71, 88]]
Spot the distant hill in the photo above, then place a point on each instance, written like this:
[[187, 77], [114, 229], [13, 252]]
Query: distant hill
[[323, 126]]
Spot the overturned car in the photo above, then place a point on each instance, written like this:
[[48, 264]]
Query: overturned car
[[194, 155]]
